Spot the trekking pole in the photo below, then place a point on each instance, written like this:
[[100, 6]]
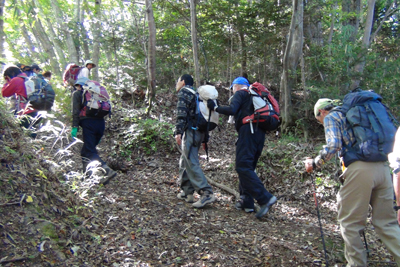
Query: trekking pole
[[365, 241], [319, 216]]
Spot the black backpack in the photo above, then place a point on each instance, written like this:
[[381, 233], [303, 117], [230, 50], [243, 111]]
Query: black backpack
[[372, 124], [40, 93]]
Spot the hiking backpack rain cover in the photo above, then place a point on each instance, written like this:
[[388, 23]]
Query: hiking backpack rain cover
[[71, 74], [40, 93], [372, 124], [96, 101], [265, 106]]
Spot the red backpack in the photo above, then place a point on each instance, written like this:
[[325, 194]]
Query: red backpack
[[71, 74], [265, 105]]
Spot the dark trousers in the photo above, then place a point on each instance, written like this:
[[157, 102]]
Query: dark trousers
[[92, 131], [248, 150]]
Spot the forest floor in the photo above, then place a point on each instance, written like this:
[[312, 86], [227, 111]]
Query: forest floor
[[137, 220]]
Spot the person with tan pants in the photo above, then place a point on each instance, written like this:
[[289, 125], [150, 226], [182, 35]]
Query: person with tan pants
[[365, 183]]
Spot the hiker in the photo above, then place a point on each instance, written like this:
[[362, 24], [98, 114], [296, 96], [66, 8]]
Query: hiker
[[394, 160], [248, 149], [85, 71], [47, 75], [36, 70], [28, 71], [15, 90], [365, 183], [92, 131], [190, 174]]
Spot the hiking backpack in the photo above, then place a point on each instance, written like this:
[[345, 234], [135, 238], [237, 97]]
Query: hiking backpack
[[71, 74], [372, 124], [266, 108], [203, 119], [40, 94], [96, 101]]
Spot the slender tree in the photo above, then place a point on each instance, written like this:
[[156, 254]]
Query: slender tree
[[151, 88], [291, 58], [194, 41], [2, 35], [96, 38]]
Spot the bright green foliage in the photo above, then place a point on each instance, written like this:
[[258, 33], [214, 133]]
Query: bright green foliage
[[149, 135]]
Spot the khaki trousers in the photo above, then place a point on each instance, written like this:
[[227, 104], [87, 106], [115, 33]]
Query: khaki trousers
[[367, 183]]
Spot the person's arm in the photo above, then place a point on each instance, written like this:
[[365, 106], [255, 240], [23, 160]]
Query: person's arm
[[10, 88], [76, 107], [333, 136], [184, 99], [234, 106]]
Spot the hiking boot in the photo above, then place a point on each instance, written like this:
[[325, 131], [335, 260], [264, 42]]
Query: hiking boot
[[206, 198], [265, 208], [239, 206], [188, 198], [108, 175]]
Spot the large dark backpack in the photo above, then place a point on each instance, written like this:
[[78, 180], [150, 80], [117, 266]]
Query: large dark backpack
[[265, 106], [71, 74], [40, 93], [372, 124]]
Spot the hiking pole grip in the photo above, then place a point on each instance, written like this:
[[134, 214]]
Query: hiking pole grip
[[319, 217]]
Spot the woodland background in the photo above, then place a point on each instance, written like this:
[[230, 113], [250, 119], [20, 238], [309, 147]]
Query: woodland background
[[305, 49]]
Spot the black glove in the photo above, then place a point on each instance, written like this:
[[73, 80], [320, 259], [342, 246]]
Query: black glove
[[211, 104]]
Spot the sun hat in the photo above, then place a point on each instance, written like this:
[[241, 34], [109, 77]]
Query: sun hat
[[321, 104]]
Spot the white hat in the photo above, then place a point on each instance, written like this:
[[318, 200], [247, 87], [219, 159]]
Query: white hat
[[90, 62]]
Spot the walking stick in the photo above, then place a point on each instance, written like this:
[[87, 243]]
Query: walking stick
[[319, 217]]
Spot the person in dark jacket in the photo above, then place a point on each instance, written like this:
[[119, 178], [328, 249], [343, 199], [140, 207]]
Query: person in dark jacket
[[92, 132], [190, 174], [248, 149], [15, 90]]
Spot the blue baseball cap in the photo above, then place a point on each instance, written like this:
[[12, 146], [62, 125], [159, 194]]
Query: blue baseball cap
[[240, 80]]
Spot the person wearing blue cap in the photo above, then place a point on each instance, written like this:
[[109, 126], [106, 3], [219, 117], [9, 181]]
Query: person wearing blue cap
[[248, 149], [92, 131]]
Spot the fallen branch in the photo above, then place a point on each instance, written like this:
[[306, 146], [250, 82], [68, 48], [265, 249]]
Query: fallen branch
[[9, 204], [224, 187], [17, 259]]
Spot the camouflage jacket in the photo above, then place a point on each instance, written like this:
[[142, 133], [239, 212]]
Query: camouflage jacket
[[185, 98]]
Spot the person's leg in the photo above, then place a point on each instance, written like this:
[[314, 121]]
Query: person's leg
[[246, 150], [383, 215], [353, 201], [190, 158], [91, 131]]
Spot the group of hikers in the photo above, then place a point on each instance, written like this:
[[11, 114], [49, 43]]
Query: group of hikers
[[366, 180]]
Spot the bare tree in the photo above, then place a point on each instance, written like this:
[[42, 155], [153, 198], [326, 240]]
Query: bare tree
[[96, 39], [151, 68], [194, 42], [2, 2], [359, 68], [291, 58]]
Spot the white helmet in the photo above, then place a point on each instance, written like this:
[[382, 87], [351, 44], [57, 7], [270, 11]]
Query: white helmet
[[90, 62]]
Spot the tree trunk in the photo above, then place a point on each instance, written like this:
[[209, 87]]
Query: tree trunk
[[194, 42], [2, 35], [40, 34], [359, 68], [53, 36], [351, 7], [73, 55], [151, 88], [96, 39], [83, 32], [244, 53], [290, 61], [77, 29]]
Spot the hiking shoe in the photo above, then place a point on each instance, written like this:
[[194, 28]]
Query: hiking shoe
[[265, 208], [110, 173], [188, 198], [206, 198], [239, 206]]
